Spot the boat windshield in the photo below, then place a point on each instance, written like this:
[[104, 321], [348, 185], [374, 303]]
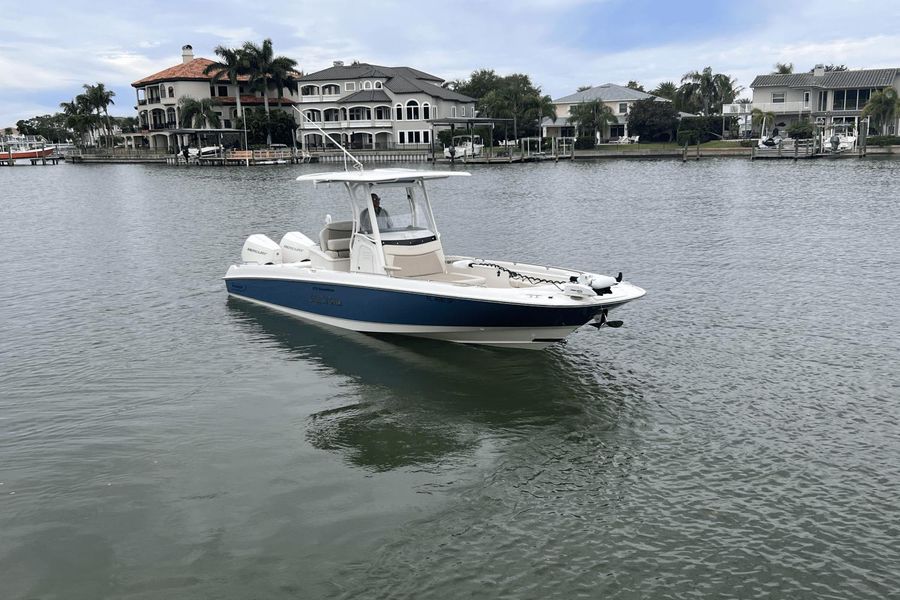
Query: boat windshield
[[402, 216]]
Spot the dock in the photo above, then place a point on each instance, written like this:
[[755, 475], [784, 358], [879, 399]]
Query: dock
[[53, 159]]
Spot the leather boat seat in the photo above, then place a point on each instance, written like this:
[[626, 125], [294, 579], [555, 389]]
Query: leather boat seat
[[338, 244]]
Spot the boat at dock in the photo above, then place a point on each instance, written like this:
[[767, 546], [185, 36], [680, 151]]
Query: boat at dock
[[464, 146], [18, 147], [389, 274]]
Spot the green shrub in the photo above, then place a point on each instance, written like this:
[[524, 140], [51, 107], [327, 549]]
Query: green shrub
[[883, 140], [802, 130], [747, 143], [586, 142]]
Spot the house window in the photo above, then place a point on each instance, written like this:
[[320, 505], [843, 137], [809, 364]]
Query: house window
[[823, 101], [378, 85], [777, 97], [806, 99], [863, 98], [452, 112], [331, 90], [171, 92], [425, 138], [367, 85], [162, 91], [402, 137], [412, 110], [383, 113], [350, 86], [223, 90], [623, 108], [426, 111], [462, 110], [399, 110]]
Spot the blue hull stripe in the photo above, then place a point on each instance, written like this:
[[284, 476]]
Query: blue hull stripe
[[404, 308]]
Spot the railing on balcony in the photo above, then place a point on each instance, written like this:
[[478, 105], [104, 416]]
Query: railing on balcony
[[142, 101], [167, 125], [772, 107], [349, 123], [319, 98]]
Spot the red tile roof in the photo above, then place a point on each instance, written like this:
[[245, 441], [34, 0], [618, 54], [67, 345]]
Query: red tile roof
[[189, 71]]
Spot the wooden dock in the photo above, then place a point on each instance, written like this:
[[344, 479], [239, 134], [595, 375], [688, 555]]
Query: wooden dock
[[44, 160]]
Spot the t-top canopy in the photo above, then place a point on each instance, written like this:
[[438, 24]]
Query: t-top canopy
[[380, 176]]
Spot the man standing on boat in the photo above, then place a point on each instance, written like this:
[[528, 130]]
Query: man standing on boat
[[381, 216]]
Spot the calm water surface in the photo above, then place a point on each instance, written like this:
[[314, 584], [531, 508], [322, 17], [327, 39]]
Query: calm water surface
[[739, 437]]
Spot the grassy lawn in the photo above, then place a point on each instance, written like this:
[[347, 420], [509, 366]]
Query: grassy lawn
[[664, 146]]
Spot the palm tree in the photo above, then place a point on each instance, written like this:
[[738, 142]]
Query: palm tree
[[79, 114], [99, 98], [708, 90], [666, 89], [265, 68], [592, 116], [883, 107], [232, 65], [783, 68], [759, 118], [198, 114]]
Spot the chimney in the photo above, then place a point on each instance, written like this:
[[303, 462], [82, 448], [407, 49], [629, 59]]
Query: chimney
[[338, 63], [187, 53], [819, 70]]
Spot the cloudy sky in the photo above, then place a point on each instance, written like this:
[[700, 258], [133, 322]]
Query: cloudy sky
[[49, 49]]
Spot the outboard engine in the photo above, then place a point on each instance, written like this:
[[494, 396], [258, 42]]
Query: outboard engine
[[295, 247], [259, 249]]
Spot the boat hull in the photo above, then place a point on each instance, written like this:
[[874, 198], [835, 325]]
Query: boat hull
[[429, 314], [25, 154]]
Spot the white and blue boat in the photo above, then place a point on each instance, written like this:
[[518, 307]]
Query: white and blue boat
[[390, 274]]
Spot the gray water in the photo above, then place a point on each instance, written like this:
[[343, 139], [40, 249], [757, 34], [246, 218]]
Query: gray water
[[737, 438]]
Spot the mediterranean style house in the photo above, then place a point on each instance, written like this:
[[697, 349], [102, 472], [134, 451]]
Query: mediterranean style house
[[368, 106], [159, 114], [826, 97], [617, 97]]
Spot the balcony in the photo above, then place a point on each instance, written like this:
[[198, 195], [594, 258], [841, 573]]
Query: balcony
[[351, 124], [772, 107], [320, 98], [142, 102]]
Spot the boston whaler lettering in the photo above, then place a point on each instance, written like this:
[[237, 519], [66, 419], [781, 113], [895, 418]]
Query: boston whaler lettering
[[389, 274]]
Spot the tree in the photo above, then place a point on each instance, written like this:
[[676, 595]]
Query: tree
[[515, 97], [652, 119], [592, 117], [666, 89], [479, 84], [707, 90], [280, 125], [79, 116], [198, 114], [98, 98], [7, 131], [829, 68], [801, 130], [759, 119], [583, 88], [783, 68], [264, 68], [231, 66], [634, 85], [883, 107]]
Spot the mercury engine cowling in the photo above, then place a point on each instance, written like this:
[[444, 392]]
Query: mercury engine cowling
[[295, 247], [260, 249]]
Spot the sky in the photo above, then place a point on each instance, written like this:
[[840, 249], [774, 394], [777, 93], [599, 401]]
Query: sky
[[49, 49]]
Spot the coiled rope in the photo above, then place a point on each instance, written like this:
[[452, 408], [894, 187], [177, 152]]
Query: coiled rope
[[515, 274]]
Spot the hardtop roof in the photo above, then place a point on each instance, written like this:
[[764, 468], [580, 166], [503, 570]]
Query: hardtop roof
[[377, 176]]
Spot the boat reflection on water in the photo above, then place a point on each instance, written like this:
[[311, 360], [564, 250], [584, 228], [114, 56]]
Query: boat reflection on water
[[421, 402]]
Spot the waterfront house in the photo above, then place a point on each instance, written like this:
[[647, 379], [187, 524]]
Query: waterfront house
[[370, 106], [825, 97], [616, 97], [159, 113]]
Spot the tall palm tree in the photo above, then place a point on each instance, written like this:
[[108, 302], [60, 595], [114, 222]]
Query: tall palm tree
[[708, 90], [99, 98], [883, 107], [230, 67], [265, 68], [592, 116], [198, 114]]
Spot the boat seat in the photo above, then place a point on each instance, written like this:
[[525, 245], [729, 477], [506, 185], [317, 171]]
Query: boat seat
[[457, 278], [338, 244]]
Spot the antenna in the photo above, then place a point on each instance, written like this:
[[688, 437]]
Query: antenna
[[357, 165]]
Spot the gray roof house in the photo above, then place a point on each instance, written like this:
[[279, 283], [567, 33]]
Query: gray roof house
[[619, 98], [371, 106], [827, 97]]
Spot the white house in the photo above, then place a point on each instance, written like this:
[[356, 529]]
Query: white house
[[369, 106], [826, 97], [616, 97], [158, 95]]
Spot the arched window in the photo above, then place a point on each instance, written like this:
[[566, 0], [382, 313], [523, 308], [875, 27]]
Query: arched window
[[309, 90], [343, 114], [453, 112], [378, 85], [462, 110], [399, 110], [331, 90], [412, 110], [171, 92], [332, 114], [383, 113], [367, 85], [426, 111]]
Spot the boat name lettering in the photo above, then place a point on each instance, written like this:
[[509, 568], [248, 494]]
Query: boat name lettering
[[325, 300]]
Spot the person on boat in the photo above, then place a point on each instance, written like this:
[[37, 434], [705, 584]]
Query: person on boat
[[381, 216]]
